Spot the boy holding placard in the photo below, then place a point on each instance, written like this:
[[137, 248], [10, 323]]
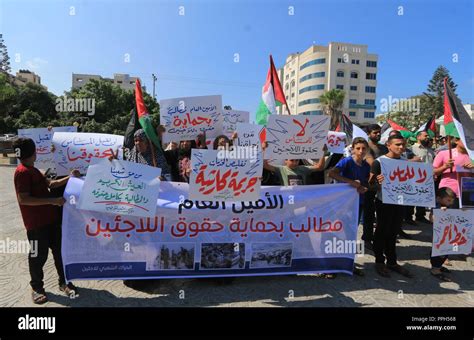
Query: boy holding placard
[[41, 217], [389, 216]]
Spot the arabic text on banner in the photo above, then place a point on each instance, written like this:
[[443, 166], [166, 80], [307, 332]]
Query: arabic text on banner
[[452, 231], [120, 187], [232, 118], [187, 117], [289, 230], [75, 150], [336, 142], [218, 177], [296, 137], [407, 183], [248, 135], [43, 140]]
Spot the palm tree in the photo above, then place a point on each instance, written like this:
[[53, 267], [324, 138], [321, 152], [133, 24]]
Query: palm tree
[[333, 101]]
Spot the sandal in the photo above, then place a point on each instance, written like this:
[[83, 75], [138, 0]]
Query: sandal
[[39, 298], [69, 289], [382, 270], [400, 270], [447, 263], [441, 276]]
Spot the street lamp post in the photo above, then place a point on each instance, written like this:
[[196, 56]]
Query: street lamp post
[[154, 79]]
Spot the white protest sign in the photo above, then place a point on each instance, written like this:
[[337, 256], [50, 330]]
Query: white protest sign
[[452, 231], [296, 137], [466, 187], [248, 135], [187, 117], [75, 150], [223, 175], [407, 183], [43, 140], [120, 187], [232, 118], [336, 142]]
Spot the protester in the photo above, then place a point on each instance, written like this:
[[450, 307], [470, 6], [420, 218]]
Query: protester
[[40, 213], [355, 171], [375, 150], [426, 154], [445, 198], [445, 167], [389, 216], [144, 152]]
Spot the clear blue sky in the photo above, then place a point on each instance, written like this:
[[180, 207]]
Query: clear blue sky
[[194, 54]]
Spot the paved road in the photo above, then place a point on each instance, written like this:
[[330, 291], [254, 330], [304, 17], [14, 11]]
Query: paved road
[[282, 291]]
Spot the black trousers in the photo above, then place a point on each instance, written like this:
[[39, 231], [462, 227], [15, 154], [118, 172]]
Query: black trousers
[[47, 237], [389, 220], [420, 213], [369, 216]]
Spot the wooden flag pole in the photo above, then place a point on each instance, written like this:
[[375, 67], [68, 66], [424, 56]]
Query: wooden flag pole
[[450, 152]]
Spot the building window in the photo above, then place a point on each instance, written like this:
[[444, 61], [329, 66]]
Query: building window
[[309, 101], [340, 73], [313, 75], [370, 102], [352, 101], [287, 86], [355, 61], [313, 62], [371, 63], [292, 73], [340, 87], [370, 89], [370, 76], [340, 60], [293, 95], [354, 75], [287, 76], [352, 114], [314, 113], [369, 114], [292, 83], [312, 88], [353, 88], [286, 97]]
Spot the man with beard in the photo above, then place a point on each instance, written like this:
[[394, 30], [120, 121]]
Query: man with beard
[[375, 150], [426, 154]]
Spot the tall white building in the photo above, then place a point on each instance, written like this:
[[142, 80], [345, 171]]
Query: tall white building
[[470, 110], [307, 75], [123, 80]]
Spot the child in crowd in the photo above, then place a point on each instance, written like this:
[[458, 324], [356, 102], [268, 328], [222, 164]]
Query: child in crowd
[[41, 217]]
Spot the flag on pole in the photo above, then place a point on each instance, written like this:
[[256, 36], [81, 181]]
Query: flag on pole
[[429, 127], [133, 125], [350, 129], [390, 126], [144, 116], [457, 122], [272, 96]]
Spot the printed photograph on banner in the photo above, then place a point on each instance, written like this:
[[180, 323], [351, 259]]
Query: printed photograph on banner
[[43, 140], [232, 118], [170, 256], [185, 118], [120, 187], [452, 231], [271, 255], [225, 175], [296, 137], [248, 135], [466, 187], [75, 150], [336, 142], [222, 256], [407, 183]]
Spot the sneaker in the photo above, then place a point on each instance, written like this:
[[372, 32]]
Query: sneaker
[[423, 220], [69, 289]]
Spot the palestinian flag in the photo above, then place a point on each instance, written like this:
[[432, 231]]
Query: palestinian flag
[[272, 96], [457, 122], [429, 127], [350, 129], [390, 126], [144, 117]]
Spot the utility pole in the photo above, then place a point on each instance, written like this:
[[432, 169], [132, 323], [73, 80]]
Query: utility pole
[[154, 79]]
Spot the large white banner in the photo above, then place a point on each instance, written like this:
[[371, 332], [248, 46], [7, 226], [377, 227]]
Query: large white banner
[[120, 187], [289, 230], [187, 117], [452, 231], [226, 175], [407, 183], [296, 137], [43, 140], [232, 118], [75, 150]]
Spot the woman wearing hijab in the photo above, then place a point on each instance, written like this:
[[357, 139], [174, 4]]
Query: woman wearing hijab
[[144, 152]]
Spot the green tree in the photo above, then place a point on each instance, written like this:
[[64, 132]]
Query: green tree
[[4, 58], [333, 101], [435, 91]]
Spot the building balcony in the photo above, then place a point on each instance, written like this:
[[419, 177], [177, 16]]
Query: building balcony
[[362, 106]]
